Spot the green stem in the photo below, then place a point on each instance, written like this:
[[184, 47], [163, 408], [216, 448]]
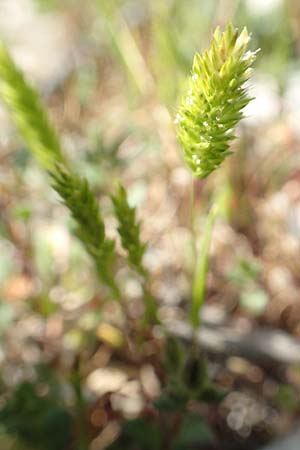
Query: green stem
[[193, 220], [201, 269]]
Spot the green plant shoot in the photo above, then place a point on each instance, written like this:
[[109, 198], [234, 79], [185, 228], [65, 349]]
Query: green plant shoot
[[210, 110]]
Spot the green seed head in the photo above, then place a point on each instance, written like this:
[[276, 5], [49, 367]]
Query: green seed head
[[215, 98]]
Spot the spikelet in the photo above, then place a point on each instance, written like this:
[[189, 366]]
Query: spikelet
[[214, 101]]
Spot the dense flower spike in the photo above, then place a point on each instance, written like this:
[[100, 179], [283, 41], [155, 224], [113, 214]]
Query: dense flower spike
[[214, 101]]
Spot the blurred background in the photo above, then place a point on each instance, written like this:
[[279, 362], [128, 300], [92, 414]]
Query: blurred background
[[111, 73]]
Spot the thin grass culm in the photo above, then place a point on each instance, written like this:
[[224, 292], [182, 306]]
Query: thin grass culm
[[201, 268], [209, 112]]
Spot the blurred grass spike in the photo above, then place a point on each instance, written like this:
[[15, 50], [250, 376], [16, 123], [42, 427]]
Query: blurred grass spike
[[129, 230], [215, 98], [82, 203], [28, 114], [33, 124]]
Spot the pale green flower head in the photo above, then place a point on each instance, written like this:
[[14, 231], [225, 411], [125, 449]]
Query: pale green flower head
[[214, 101]]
